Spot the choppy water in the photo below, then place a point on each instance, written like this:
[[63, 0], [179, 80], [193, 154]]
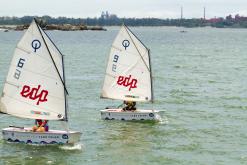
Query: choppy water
[[200, 82]]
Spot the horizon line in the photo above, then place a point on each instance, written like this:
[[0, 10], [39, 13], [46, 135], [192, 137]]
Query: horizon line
[[151, 17]]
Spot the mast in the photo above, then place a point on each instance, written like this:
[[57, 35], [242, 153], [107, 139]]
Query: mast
[[65, 95], [151, 77]]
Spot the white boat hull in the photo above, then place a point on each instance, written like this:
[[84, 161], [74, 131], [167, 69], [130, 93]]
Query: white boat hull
[[25, 135], [119, 114]]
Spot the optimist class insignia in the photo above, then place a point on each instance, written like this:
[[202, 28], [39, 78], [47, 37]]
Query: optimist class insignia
[[126, 44], [36, 44]]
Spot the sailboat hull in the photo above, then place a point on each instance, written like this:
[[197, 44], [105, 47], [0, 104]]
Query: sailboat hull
[[119, 114], [25, 135]]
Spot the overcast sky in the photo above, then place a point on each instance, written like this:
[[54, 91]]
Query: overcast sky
[[123, 8]]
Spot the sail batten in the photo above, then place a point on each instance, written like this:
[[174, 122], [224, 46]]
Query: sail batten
[[35, 84], [128, 72], [26, 51]]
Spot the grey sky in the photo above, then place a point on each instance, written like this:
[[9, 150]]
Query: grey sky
[[123, 8]]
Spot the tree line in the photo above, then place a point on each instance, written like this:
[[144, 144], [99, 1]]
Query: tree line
[[229, 21]]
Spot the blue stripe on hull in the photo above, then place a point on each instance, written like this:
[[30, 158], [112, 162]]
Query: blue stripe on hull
[[30, 142]]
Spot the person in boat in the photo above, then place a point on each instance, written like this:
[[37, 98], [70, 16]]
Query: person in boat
[[129, 106], [41, 126]]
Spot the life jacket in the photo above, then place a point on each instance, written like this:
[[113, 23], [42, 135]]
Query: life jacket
[[39, 122]]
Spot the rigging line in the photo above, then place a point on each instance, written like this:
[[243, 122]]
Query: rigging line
[[127, 30], [53, 43], [137, 37], [65, 94], [51, 57], [62, 56]]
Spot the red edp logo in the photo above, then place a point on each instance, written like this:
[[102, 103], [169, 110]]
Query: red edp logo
[[34, 93], [127, 82]]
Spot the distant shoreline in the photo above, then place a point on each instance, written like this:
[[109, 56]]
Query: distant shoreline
[[64, 27], [73, 24]]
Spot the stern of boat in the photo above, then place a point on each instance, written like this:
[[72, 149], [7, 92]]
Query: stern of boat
[[25, 135], [119, 114], [74, 137]]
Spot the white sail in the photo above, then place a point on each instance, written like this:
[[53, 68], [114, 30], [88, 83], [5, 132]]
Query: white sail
[[128, 73], [34, 86]]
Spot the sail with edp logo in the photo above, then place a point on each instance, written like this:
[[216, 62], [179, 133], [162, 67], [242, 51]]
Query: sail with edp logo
[[128, 76], [35, 66], [35, 86]]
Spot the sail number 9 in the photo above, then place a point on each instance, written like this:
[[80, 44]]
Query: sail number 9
[[19, 66], [115, 60]]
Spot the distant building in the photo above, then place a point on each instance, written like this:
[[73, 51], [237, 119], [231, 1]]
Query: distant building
[[215, 20], [106, 15], [113, 16], [240, 18], [102, 14]]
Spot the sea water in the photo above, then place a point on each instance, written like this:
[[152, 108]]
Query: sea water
[[200, 85]]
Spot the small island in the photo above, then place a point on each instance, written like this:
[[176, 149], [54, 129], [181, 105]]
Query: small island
[[22, 24], [62, 27]]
